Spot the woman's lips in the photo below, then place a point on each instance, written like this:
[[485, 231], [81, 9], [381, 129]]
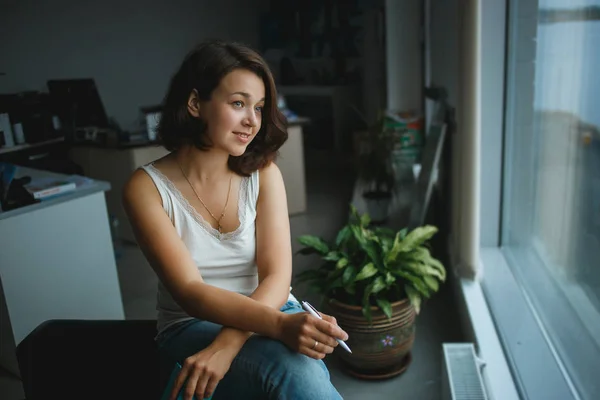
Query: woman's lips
[[243, 137]]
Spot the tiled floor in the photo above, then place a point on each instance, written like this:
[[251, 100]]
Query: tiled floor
[[329, 191]]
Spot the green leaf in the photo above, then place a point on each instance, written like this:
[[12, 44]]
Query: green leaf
[[421, 287], [411, 243], [385, 306], [365, 220], [332, 256], [414, 297], [382, 231], [367, 293], [396, 247], [386, 244], [403, 233], [366, 303], [378, 285], [314, 242], [366, 310], [432, 265], [343, 235], [358, 233], [372, 249], [366, 272], [431, 282], [354, 213], [436, 264], [423, 270], [341, 263], [417, 237], [415, 281], [435, 272], [389, 279], [349, 275]]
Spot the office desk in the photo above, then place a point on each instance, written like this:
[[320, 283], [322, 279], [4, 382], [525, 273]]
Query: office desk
[[56, 261]]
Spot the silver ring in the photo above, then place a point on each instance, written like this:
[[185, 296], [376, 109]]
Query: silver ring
[[315, 346]]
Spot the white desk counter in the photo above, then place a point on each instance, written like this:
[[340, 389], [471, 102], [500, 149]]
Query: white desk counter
[[56, 262]]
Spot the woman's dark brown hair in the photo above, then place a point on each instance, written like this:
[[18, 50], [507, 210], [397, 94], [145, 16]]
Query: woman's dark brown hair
[[202, 70]]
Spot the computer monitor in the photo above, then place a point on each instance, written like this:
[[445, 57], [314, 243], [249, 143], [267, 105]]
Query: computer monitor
[[77, 103]]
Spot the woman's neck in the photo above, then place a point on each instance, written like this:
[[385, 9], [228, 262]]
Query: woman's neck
[[203, 166]]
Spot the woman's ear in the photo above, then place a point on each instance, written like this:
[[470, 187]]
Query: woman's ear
[[193, 104]]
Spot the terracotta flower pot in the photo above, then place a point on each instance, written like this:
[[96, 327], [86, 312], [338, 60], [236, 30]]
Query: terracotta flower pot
[[380, 350]]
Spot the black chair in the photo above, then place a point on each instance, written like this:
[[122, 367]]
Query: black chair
[[91, 359]]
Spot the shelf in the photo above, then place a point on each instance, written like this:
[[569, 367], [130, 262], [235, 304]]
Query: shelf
[[19, 147]]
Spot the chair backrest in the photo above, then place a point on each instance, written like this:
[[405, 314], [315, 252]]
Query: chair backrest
[[83, 359]]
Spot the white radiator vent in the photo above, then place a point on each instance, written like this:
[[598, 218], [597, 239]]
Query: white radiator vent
[[462, 375]]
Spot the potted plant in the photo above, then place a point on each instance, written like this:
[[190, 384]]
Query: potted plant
[[375, 170], [374, 280]]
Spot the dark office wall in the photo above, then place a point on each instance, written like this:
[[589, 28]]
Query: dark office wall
[[444, 31], [130, 47]]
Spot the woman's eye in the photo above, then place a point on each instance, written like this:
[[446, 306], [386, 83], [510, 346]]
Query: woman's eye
[[259, 109], [238, 104]]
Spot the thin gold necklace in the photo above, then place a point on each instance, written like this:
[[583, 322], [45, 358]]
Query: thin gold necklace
[[219, 227]]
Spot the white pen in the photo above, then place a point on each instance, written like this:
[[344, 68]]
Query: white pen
[[313, 311]]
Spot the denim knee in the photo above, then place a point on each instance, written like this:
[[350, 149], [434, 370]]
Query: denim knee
[[301, 377]]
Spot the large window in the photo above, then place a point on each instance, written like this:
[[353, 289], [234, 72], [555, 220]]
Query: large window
[[550, 224]]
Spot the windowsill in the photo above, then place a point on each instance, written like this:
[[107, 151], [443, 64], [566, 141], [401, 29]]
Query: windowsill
[[496, 371], [509, 336]]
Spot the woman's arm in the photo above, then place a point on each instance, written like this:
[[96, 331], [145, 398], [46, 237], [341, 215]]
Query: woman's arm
[[273, 242], [273, 250], [172, 262]]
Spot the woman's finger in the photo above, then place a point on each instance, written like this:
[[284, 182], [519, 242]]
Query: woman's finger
[[313, 353], [183, 373], [329, 319], [315, 334], [190, 387], [330, 329], [201, 387], [316, 346], [211, 386]]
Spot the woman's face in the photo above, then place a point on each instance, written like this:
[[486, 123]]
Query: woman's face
[[234, 112]]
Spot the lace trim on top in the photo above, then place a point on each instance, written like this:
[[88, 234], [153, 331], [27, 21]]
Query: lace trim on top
[[242, 200]]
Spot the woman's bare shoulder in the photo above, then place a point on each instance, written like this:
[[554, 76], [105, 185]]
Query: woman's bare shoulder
[[270, 174], [140, 181], [138, 184]]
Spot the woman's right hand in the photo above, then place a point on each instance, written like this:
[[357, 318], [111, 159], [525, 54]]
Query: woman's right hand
[[309, 335]]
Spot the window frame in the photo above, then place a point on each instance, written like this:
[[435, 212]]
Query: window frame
[[536, 368]]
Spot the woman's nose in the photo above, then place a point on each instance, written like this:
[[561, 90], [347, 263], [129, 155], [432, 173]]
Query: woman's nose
[[252, 120]]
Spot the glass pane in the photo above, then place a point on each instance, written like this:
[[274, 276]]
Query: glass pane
[[551, 213]]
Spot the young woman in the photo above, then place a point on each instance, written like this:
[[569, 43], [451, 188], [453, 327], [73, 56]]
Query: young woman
[[211, 218]]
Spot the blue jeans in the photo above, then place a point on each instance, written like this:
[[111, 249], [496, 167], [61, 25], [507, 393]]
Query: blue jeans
[[263, 369]]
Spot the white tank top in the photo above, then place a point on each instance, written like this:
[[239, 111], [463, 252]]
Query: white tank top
[[225, 260]]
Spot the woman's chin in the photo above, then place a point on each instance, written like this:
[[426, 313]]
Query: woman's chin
[[237, 151]]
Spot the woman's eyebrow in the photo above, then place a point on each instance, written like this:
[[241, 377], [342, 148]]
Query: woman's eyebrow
[[246, 95]]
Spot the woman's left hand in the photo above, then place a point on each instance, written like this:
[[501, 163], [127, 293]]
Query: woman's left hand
[[203, 371]]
